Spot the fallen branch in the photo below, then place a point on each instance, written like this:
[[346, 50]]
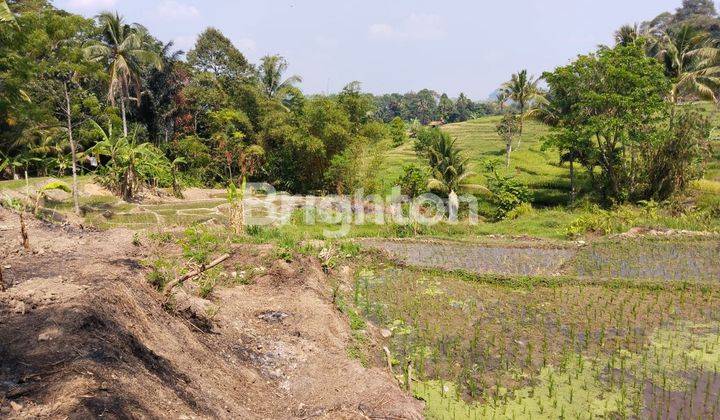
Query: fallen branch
[[170, 286]]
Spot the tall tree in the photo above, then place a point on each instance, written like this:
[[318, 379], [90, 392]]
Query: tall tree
[[523, 90], [446, 108], [611, 106], [690, 61], [124, 51], [62, 74], [163, 102], [272, 68], [215, 53], [691, 8], [627, 35]]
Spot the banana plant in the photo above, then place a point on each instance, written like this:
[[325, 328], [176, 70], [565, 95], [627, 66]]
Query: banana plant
[[6, 15]]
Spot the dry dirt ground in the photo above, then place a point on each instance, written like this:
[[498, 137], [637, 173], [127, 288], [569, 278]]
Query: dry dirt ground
[[83, 335]]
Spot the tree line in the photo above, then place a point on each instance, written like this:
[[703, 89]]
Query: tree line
[[103, 95]]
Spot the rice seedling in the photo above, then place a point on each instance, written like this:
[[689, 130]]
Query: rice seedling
[[548, 350]]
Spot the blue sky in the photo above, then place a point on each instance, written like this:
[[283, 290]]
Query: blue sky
[[450, 46]]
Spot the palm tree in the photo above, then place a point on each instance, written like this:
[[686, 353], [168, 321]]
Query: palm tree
[[449, 167], [627, 35], [271, 70], [690, 61], [163, 88], [123, 50], [523, 90]]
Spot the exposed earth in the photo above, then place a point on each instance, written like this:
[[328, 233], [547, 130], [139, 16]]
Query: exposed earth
[[83, 334]]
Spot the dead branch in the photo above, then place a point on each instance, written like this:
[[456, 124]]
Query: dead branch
[[389, 360], [194, 274], [23, 232]]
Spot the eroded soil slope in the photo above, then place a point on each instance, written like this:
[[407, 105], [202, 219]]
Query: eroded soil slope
[[82, 335]]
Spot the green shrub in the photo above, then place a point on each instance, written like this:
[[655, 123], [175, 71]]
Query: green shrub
[[507, 193], [413, 182], [523, 209], [161, 273]]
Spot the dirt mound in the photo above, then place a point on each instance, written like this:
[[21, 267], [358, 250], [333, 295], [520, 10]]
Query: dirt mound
[[82, 335]]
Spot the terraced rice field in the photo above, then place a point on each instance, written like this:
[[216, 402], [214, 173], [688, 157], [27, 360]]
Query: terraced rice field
[[479, 348], [642, 258]]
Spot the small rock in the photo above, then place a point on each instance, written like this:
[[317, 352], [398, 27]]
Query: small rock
[[15, 406], [49, 335], [385, 333], [273, 316], [7, 267]]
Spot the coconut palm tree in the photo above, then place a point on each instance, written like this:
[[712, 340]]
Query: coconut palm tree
[[627, 35], [524, 91], [449, 167], [271, 70], [124, 51], [691, 62]]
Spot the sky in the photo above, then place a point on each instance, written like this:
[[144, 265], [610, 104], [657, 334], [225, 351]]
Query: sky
[[450, 46]]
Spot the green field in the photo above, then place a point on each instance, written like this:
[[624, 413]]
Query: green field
[[540, 170]]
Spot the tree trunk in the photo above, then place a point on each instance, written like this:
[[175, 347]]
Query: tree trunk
[[520, 128], [572, 180], [124, 116], [508, 150], [73, 150]]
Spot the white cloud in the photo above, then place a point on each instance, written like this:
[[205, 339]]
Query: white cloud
[[416, 27], [91, 4], [173, 10]]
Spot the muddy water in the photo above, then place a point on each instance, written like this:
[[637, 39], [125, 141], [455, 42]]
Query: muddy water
[[650, 260], [479, 259]]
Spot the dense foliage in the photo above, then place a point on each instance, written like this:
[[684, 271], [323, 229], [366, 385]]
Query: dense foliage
[[104, 96], [217, 117]]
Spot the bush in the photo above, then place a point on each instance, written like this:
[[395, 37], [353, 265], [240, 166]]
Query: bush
[[523, 209], [425, 138], [398, 132], [507, 193], [413, 181]]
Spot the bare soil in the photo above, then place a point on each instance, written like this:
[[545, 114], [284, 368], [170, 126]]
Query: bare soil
[[83, 335]]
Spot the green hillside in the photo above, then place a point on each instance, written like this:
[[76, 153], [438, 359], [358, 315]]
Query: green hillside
[[540, 170]]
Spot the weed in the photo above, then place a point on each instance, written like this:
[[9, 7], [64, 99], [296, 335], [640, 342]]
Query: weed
[[200, 244], [207, 282]]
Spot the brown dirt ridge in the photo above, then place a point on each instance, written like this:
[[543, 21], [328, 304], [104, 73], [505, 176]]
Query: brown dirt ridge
[[83, 335]]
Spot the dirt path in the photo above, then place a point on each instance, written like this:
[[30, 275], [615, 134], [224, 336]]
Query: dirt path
[[83, 335]]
